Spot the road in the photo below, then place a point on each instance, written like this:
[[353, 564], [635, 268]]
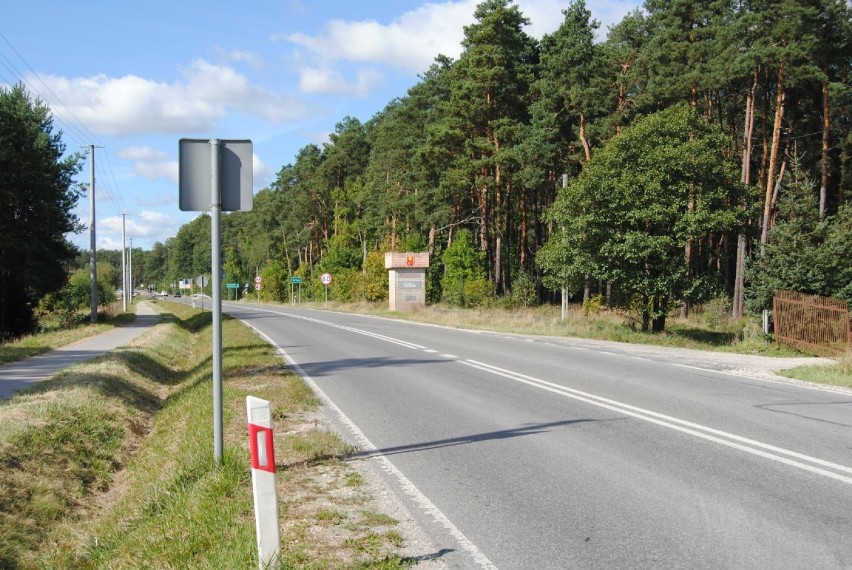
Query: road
[[525, 452]]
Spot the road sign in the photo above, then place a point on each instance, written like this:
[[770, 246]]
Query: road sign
[[232, 285], [326, 279], [296, 280], [257, 279], [258, 286], [235, 175]]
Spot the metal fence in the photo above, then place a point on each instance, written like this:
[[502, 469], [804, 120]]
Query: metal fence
[[812, 323]]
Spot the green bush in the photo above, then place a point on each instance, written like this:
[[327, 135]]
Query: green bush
[[463, 267], [524, 292], [717, 312]]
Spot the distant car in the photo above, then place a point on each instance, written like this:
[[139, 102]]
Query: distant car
[[176, 295]]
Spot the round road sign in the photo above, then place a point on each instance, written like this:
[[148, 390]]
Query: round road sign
[[257, 279], [258, 287], [325, 279]]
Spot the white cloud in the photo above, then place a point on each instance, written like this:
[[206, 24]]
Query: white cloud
[[142, 153], [262, 173], [146, 226], [169, 169], [410, 42], [133, 105], [413, 40], [151, 163], [251, 58], [328, 80], [158, 199]]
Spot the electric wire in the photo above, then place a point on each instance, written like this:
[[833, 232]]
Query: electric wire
[[70, 125]]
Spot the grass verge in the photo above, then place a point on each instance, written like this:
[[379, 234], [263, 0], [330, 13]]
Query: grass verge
[[109, 465], [839, 374]]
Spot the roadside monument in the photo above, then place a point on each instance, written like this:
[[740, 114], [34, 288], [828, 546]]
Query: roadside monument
[[407, 280]]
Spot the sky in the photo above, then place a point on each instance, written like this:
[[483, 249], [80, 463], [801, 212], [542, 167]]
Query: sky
[[133, 78]]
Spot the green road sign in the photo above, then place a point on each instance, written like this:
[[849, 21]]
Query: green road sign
[[296, 280], [232, 285]]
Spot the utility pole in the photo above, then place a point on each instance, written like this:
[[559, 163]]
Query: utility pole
[[130, 273], [123, 266], [93, 262]]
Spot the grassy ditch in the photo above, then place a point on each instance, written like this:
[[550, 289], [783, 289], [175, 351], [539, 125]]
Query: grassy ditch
[[705, 329], [109, 465]]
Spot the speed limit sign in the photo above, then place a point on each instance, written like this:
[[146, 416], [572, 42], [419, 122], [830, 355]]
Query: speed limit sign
[[325, 279]]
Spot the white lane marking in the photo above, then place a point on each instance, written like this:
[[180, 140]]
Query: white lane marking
[[737, 442], [684, 426], [450, 356], [343, 327], [430, 350], [409, 488]]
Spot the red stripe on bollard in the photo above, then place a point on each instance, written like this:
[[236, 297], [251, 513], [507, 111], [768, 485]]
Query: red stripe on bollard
[[261, 447]]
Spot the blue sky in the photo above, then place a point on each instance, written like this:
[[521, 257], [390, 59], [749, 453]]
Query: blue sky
[[135, 78]]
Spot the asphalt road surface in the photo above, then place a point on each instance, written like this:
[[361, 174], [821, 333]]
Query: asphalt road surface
[[526, 452]]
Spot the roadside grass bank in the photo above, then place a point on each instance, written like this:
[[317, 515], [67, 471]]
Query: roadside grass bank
[[839, 374], [109, 464], [707, 328], [54, 336]]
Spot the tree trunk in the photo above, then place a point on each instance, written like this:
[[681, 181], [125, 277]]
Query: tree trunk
[[773, 159], [586, 148], [777, 189], [745, 178], [826, 128], [498, 260], [739, 279], [522, 235]]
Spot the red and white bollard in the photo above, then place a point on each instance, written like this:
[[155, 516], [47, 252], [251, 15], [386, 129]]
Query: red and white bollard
[[263, 481]]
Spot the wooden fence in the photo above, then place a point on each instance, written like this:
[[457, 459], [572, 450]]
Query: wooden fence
[[812, 323]]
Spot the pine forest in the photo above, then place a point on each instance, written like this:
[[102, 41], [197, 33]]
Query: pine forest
[[694, 150]]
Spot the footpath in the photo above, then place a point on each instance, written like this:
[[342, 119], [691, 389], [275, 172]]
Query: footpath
[[20, 375]]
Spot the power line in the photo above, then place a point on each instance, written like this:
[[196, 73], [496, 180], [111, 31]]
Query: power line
[[75, 129], [91, 135]]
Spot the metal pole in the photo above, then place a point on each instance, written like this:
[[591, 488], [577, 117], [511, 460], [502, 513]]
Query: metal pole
[[93, 262], [215, 215], [130, 273], [123, 266]]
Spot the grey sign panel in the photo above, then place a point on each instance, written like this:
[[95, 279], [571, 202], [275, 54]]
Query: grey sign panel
[[235, 175]]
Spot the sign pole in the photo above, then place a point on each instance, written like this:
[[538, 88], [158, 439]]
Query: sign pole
[[215, 175], [215, 220]]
